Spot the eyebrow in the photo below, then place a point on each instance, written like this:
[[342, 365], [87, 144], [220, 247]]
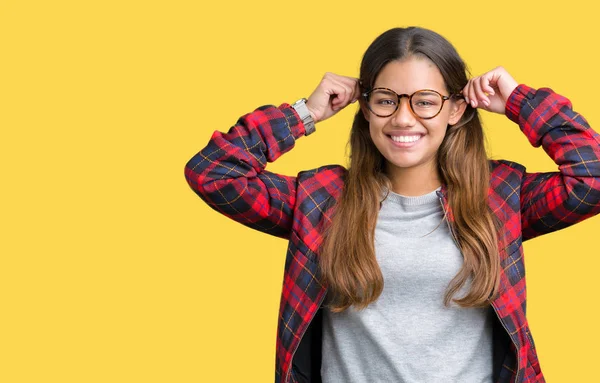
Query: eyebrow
[[425, 91], [429, 93]]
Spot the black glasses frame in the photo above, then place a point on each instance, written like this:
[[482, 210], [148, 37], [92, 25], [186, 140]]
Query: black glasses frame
[[409, 96]]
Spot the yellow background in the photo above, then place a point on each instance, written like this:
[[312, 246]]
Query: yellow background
[[113, 270]]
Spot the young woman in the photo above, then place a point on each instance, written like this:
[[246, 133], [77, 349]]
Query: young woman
[[452, 308]]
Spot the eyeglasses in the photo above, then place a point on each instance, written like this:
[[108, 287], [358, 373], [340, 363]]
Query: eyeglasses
[[425, 103]]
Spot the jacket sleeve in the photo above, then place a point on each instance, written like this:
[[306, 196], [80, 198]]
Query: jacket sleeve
[[555, 200], [229, 173]]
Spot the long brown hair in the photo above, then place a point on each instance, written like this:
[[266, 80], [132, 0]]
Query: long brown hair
[[347, 260]]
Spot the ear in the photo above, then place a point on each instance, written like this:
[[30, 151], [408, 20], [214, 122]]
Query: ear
[[363, 107], [457, 110]]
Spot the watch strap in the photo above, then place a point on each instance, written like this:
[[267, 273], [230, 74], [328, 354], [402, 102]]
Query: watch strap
[[307, 120]]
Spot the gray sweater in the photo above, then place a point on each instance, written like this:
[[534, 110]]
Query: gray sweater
[[408, 335]]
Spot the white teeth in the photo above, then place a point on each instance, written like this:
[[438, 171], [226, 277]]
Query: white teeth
[[405, 138]]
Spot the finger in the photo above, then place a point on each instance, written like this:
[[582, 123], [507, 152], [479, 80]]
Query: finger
[[465, 92], [353, 84], [486, 85], [355, 91], [471, 95], [342, 95], [479, 94]]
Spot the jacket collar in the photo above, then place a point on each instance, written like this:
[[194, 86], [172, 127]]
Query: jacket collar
[[443, 195]]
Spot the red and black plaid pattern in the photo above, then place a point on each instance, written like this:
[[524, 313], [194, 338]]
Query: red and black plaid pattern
[[229, 175]]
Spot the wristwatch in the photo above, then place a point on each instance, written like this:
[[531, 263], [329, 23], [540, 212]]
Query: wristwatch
[[307, 120]]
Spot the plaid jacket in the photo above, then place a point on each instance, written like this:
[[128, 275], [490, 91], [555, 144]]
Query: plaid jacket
[[229, 175]]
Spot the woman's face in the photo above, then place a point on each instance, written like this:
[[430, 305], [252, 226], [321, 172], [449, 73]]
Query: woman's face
[[406, 77]]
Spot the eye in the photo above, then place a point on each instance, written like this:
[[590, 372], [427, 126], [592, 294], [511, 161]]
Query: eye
[[426, 100], [424, 104], [383, 98], [386, 102]]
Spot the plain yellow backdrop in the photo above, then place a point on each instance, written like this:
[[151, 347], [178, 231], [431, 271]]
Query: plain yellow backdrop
[[113, 270]]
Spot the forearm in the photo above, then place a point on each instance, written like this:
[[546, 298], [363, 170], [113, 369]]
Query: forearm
[[554, 200], [229, 172]]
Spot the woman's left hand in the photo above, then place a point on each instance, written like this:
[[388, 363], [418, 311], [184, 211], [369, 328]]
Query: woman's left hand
[[490, 90]]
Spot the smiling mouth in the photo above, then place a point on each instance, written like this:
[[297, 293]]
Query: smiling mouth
[[405, 139]]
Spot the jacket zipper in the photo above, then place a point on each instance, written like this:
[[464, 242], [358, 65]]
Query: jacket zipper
[[495, 308], [289, 371]]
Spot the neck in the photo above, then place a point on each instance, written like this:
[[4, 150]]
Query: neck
[[413, 182]]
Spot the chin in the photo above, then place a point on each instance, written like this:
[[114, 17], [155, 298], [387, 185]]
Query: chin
[[405, 161]]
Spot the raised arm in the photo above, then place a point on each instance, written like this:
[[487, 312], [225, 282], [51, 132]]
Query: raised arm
[[554, 200], [229, 173]]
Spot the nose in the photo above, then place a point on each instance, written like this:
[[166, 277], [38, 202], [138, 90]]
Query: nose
[[403, 116]]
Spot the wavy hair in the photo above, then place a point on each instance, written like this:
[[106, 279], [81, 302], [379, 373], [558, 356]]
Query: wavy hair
[[347, 261]]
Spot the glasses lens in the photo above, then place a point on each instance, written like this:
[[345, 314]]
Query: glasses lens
[[426, 104], [383, 102]]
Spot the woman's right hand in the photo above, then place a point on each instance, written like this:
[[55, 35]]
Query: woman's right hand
[[333, 94]]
